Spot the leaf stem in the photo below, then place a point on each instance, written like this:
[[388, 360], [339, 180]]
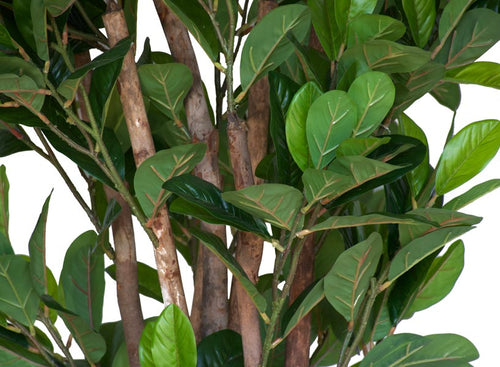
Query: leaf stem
[[57, 338]]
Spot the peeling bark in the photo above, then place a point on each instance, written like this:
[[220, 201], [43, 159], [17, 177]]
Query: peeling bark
[[143, 147], [210, 307], [297, 343]]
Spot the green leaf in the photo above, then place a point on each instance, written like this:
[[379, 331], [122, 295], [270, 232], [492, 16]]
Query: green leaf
[[37, 251], [296, 136], [452, 13], [349, 279], [166, 85], [221, 349], [373, 93], [121, 356], [57, 7], [198, 22], [482, 72], [386, 56], [9, 144], [13, 354], [31, 21], [4, 202], [149, 285], [420, 248], [448, 94], [331, 119], [20, 67], [475, 34], [437, 350], [18, 298], [203, 200], [325, 25], [275, 203], [315, 295], [473, 194], [173, 339], [267, 45], [421, 15], [369, 27], [145, 345], [82, 279], [440, 278], [215, 245], [347, 10], [5, 38], [162, 166], [466, 154], [360, 146], [21, 89]]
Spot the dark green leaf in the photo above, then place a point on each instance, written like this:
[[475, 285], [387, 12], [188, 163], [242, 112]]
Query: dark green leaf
[[452, 13], [267, 45], [368, 27], [473, 194], [347, 10], [4, 202], [9, 144], [57, 7], [82, 279], [349, 279], [325, 25], [215, 245], [32, 24], [5, 39], [20, 67], [466, 154], [13, 354], [18, 298], [360, 146], [221, 349], [121, 357], [101, 87], [448, 94], [331, 119], [149, 285], [204, 201], [21, 89], [162, 166], [421, 15]]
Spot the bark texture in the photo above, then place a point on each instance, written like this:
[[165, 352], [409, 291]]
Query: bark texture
[[210, 307], [143, 147]]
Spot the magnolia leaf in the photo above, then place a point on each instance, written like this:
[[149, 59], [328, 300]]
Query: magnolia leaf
[[482, 72], [421, 15], [473, 194], [448, 94], [325, 25], [452, 13], [347, 10], [146, 344], [360, 146], [368, 27]]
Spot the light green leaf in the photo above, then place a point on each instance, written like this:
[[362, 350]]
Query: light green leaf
[[440, 278], [37, 251], [18, 298], [145, 345], [368, 27], [267, 45], [4, 202], [166, 85], [173, 339], [275, 203], [482, 72], [421, 15], [315, 295], [452, 13], [82, 279], [22, 89], [295, 126], [360, 146], [215, 244], [162, 166], [473, 194], [466, 154], [325, 26], [57, 7], [420, 248], [349, 279], [373, 93], [330, 120], [39, 19]]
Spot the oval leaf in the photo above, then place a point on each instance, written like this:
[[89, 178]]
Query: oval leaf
[[368, 27], [466, 154], [452, 13]]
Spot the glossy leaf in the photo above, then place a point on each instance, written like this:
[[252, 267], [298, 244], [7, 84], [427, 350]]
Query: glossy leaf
[[440, 278], [162, 166], [217, 247], [173, 339], [296, 136], [203, 200], [386, 56], [315, 295], [11, 84], [360, 146], [466, 154], [13, 354], [348, 281], [482, 72], [146, 344], [220, 349], [331, 119], [421, 15], [373, 93], [325, 26], [57, 7], [147, 277], [275, 203], [452, 13], [4, 202], [473, 194], [82, 279], [166, 85], [37, 251], [18, 298], [368, 27], [347, 10], [420, 248], [437, 350], [474, 35], [267, 45]]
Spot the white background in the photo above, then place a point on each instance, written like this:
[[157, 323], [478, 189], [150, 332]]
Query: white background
[[470, 310]]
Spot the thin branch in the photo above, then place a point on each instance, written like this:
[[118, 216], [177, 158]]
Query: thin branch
[[57, 337]]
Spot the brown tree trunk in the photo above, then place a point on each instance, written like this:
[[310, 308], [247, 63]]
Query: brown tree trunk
[[298, 341], [210, 308], [143, 147]]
